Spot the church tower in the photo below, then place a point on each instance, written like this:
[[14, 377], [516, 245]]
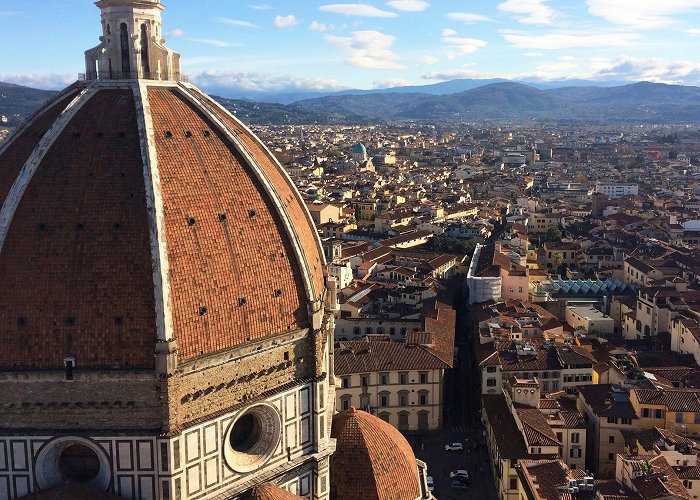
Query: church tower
[[165, 327]]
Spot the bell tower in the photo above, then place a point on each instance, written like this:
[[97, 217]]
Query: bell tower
[[132, 45]]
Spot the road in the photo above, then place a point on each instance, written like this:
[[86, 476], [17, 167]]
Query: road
[[462, 424], [431, 450]]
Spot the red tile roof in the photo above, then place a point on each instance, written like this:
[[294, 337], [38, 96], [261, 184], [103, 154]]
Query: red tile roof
[[372, 461], [76, 270], [232, 267], [268, 491], [77, 264]]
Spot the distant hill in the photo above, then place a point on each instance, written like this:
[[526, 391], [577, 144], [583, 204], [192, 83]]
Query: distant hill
[[442, 88], [17, 103], [634, 103], [500, 101]]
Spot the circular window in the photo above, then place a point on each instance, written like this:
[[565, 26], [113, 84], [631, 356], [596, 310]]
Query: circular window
[[72, 459], [78, 463], [252, 438]]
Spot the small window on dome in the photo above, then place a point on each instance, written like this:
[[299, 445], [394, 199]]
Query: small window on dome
[[252, 213], [222, 217], [206, 133], [188, 134], [69, 365], [168, 134], [242, 301], [202, 311], [191, 221]]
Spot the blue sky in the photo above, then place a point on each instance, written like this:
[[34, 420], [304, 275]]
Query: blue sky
[[323, 45]]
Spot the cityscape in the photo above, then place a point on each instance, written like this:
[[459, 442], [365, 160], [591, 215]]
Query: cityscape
[[481, 289]]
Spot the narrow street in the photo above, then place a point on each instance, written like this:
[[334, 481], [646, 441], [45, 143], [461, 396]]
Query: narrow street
[[462, 424]]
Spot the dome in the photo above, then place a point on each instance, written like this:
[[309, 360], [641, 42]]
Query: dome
[[372, 459], [359, 149], [268, 491], [136, 212]]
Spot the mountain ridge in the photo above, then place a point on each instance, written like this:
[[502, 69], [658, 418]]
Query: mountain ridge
[[641, 102]]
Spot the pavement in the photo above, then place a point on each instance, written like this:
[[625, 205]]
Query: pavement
[[430, 448]]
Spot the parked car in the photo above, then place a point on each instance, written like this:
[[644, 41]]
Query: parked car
[[458, 484], [431, 484], [454, 447], [461, 474]]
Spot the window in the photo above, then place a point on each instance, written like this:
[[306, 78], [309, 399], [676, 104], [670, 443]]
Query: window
[[559, 436], [545, 374], [611, 456], [356, 331], [392, 330], [626, 421], [658, 414], [345, 382], [611, 439], [384, 416], [513, 483], [403, 378], [575, 437], [646, 413], [403, 398], [679, 417], [364, 380], [423, 397], [383, 378], [424, 377], [345, 402], [612, 420], [697, 418], [383, 399], [69, 365], [403, 421], [491, 382], [575, 452], [490, 369]]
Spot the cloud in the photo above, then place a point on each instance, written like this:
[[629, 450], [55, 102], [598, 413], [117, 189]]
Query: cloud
[[50, 81], [467, 17], [648, 69], [643, 14], [409, 5], [356, 9], [261, 6], [457, 74], [568, 39], [285, 21], [176, 33], [261, 82], [448, 32], [533, 54], [693, 32], [528, 11], [393, 82], [368, 49], [236, 22], [215, 43], [428, 60], [321, 27], [458, 46]]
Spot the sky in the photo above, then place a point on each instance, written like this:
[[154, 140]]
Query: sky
[[299, 45]]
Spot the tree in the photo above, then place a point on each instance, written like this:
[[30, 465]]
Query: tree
[[553, 233]]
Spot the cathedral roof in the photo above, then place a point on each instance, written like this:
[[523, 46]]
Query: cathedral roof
[[372, 459], [268, 491], [141, 211]]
